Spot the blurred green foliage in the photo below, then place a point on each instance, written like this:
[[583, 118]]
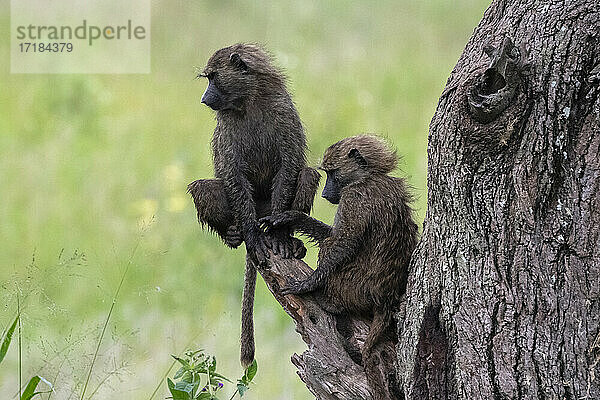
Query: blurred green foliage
[[86, 160]]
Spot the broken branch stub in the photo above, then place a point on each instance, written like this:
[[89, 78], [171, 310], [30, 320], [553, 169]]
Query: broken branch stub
[[326, 367]]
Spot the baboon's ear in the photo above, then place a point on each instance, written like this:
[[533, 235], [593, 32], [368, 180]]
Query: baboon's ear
[[356, 156], [237, 61]]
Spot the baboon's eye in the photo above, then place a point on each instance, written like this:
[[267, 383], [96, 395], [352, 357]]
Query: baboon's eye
[[355, 155]]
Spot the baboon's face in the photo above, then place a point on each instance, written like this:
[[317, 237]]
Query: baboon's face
[[332, 191], [214, 97], [230, 83], [342, 170]]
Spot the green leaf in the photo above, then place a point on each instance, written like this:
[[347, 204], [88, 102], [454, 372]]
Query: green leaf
[[187, 377], [220, 377], [203, 396], [179, 373], [184, 386], [177, 392], [183, 362], [242, 388], [7, 338], [195, 386], [193, 353], [29, 391], [180, 395], [251, 371], [189, 388], [174, 388]]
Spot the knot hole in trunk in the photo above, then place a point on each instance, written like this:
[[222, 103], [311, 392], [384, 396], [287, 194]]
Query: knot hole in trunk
[[496, 88]]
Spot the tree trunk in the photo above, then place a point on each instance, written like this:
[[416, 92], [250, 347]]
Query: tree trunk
[[503, 298]]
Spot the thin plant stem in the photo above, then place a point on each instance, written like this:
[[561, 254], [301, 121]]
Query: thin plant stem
[[209, 385], [56, 376], [112, 306], [19, 319], [111, 373], [233, 395], [161, 381]]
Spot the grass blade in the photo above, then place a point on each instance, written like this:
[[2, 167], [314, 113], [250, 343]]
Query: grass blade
[[7, 338], [19, 322], [157, 388], [30, 392]]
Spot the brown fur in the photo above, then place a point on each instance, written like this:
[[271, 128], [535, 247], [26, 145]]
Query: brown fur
[[380, 158], [259, 161], [364, 256]]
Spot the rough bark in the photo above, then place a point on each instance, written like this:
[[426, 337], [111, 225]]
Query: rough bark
[[503, 298], [326, 367]]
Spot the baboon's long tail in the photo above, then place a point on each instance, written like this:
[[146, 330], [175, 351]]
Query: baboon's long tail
[[247, 335], [382, 322]]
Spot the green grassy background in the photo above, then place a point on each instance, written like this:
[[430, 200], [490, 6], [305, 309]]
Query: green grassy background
[[98, 165]]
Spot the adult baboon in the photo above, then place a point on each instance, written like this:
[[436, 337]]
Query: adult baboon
[[259, 161]]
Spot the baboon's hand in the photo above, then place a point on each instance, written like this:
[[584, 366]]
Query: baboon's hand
[[258, 248], [277, 221], [295, 287], [233, 237], [298, 248], [282, 243]]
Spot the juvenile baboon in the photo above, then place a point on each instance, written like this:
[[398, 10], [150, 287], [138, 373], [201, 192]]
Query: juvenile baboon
[[364, 256], [259, 161]]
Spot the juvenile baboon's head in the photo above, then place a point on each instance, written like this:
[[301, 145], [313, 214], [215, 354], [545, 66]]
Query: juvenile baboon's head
[[352, 160], [237, 75]]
